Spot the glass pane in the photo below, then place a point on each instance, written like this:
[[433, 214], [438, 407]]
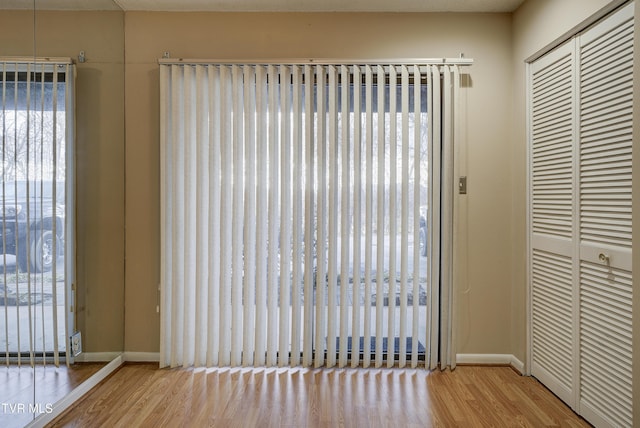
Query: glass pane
[[32, 212]]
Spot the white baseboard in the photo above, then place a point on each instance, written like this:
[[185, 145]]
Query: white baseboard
[[137, 357], [96, 357], [77, 393], [494, 359], [141, 357], [517, 364]]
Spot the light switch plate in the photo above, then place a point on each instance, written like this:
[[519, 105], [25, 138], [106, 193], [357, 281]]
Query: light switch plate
[[462, 185]]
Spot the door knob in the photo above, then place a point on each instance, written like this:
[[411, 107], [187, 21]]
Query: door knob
[[604, 258]]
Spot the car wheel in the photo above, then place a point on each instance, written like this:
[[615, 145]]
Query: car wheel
[[423, 242], [42, 250]]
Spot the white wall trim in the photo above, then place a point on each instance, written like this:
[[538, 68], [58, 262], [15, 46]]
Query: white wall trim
[[493, 359], [77, 393], [136, 357], [517, 364], [142, 357], [96, 357]]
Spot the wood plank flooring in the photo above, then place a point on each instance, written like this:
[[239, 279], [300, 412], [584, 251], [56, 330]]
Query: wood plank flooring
[[143, 396], [39, 387]]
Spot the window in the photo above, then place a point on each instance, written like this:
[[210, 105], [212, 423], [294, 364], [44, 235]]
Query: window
[[36, 124]]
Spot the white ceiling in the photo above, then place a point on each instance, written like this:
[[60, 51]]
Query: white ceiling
[[272, 5]]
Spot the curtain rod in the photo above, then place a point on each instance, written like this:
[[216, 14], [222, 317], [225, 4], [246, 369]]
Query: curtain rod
[[323, 61]]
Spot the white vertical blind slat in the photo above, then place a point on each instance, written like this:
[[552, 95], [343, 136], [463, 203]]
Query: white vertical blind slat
[[297, 183], [226, 214], [177, 195], [215, 160], [29, 165], [166, 206], [15, 184], [55, 202], [417, 164], [261, 217], [310, 224], [453, 238], [446, 357], [433, 296], [404, 212], [321, 180], [345, 229], [237, 223], [274, 201], [250, 218], [5, 178], [333, 217], [393, 214], [357, 216], [202, 216], [189, 216], [70, 203], [380, 224], [40, 234], [369, 193], [285, 218]]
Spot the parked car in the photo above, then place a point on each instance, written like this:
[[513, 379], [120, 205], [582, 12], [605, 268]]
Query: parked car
[[32, 220]]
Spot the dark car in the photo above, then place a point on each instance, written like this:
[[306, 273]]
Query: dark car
[[27, 222]]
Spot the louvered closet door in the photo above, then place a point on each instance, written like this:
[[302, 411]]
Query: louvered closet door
[[606, 92], [551, 220]]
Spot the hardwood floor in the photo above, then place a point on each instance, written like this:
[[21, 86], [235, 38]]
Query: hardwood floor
[[141, 395], [26, 392]]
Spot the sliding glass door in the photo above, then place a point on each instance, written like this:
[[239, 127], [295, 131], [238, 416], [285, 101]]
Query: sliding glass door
[[375, 246], [296, 213]]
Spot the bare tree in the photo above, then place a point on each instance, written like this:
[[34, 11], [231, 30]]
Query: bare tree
[[29, 142]]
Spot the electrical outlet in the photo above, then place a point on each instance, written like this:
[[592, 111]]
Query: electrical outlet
[[76, 344]]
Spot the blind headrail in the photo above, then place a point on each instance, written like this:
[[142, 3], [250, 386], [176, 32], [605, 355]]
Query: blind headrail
[[323, 61], [36, 60]]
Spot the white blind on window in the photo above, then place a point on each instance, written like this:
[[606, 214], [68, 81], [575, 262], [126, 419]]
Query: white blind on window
[[294, 199], [36, 208]]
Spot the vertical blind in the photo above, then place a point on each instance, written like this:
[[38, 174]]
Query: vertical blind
[[303, 207], [36, 221]]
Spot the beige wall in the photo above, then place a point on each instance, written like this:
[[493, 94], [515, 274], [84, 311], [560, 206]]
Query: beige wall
[[99, 155], [483, 301], [536, 24]]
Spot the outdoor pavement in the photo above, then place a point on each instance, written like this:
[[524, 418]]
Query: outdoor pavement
[[28, 317]]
